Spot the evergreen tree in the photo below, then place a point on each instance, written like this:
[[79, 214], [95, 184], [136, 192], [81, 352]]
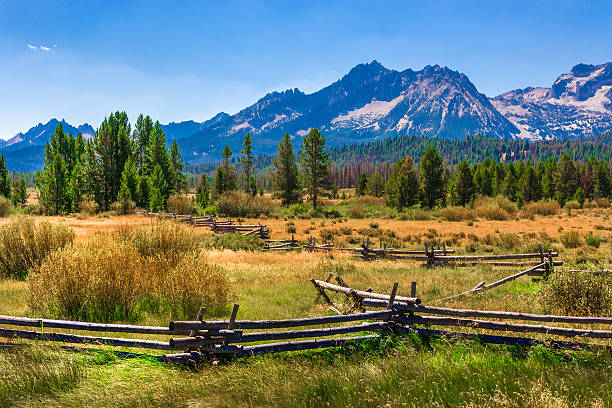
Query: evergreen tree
[[548, 178], [588, 177], [432, 176], [247, 163], [142, 135], [603, 184], [78, 186], [225, 179], [376, 185], [483, 178], [203, 191], [362, 185], [463, 186], [567, 179], [285, 174], [403, 185], [580, 196], [22, 192], [157, 186], [529, 186], [52, 181], [315, 166], [176, 177], [129, 178], [510, 182], [5, 179]]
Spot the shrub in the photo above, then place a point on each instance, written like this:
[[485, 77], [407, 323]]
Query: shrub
[[166, 239], [357, 211], [24, 244], [123, 207], [180, 204], [603, 203], [577, 293], [291, 228], [233, 242], [239, 204], [495, 208], [570, 239], [456, 213], [416, 214], [346, 230], [593, 241], [108, 280], [294, 210], [542, 207], [5, 207], [572, 205], [88, 207], [509, 241], [330, 212]]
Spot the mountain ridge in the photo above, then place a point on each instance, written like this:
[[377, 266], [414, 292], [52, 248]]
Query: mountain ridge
[[371, 102]]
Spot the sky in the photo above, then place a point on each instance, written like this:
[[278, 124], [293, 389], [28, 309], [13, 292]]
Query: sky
[[188, 60]]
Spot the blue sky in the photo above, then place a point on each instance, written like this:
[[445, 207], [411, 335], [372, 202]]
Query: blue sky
[[185, 60]]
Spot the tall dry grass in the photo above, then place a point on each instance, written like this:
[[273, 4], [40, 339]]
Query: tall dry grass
[[542, 207], [456, 213], [24, 243], [498, 208], [148, 271], [239, 204]]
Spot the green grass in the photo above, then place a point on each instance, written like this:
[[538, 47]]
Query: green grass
[[389, 372]]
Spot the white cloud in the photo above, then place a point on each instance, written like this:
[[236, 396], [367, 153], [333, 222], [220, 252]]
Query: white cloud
[[32, 47], [44, 48]]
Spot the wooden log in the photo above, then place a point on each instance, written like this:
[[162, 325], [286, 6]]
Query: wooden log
[[444, 311], [325, 297], [364, 294], [496, 339], [504, 326], [301, 345], [183, 358], [74, 338], [85, 326], [392, 295], [506, 279], [277, 324], [278, 335]]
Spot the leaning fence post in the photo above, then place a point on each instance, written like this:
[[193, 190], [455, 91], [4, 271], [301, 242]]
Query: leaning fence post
[[232, 321]]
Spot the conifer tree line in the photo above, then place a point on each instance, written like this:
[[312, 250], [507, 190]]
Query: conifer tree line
[[289, 179], [117, 166], [12, 186]]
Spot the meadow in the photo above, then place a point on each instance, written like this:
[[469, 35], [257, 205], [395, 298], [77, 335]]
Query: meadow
[[388, 372]]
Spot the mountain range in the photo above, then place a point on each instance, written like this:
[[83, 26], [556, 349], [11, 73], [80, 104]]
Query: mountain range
[[371, 102]]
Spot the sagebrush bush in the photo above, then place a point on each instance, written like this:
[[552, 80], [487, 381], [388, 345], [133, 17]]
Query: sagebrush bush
[[180, 204], [456, 213], [415, 214], [6, 207], [509, 241], [498, 208], [571, 239], [88, 207], [239, 204], [357, 211], [542, 207], [577, 293], [603, 203], [123, 207], [24, 243], [108, 279], [572, 205]]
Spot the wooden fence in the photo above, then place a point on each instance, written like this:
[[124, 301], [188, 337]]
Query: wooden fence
[[389, 313]]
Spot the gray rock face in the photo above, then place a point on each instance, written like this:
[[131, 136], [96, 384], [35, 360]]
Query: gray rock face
[[578, 104]]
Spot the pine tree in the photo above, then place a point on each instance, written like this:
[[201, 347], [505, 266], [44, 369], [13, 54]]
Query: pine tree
[[5, 179], [463, 185], [567, 179], [483, 178], [603, 184], [362, 185], [246, 161], [376, 185], [285, 175], [53, 179], [529, 186], [403, 185], [176, 176], [432, 176], [157, 186], [315, 166], [22, 192], [548, 178], [203, 191], [225, 179], [78, 187]]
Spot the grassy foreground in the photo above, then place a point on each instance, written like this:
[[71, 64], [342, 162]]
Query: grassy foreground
[[391, 372]]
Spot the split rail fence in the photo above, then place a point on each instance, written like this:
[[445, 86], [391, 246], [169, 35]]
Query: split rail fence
[[390, 313]]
